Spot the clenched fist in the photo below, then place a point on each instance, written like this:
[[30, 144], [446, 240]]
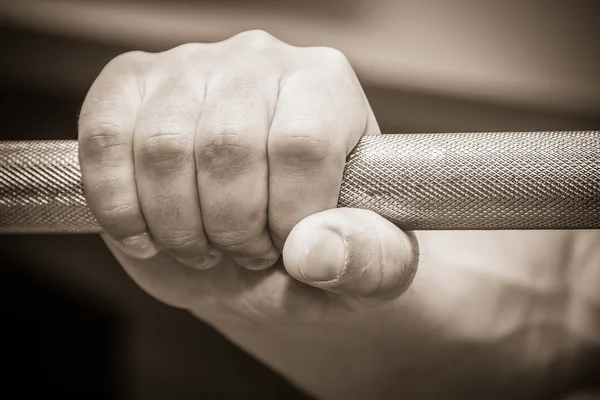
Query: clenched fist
[[210, 156], [214, 170]]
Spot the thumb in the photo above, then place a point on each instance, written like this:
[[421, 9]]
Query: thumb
[[351, 251]]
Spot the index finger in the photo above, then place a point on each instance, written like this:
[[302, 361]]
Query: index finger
[[320, 116]]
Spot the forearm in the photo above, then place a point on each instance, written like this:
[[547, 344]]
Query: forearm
[[375, 355], [337, 360]]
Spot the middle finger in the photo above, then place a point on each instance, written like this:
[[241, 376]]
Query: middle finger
[[231, 159]]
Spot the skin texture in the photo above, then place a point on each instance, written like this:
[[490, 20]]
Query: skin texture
[[214, 170]]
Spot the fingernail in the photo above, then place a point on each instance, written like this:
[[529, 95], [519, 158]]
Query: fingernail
[[256, 264], [324, 256], [139, 246], [205, 261]]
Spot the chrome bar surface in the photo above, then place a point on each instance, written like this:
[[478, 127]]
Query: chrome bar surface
[[438, 181]]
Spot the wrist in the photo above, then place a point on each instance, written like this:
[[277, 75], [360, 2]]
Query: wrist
[[337, 359]]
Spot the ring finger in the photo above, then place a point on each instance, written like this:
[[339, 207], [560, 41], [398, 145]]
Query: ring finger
[[165, 169]]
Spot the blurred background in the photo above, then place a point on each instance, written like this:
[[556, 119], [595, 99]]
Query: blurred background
[[75, 326]]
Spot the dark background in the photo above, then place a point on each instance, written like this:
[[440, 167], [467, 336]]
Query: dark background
[[75, 326]]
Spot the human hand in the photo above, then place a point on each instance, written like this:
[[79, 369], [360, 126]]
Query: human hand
[[205, 162]]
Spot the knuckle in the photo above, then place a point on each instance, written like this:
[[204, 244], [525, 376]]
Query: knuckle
[[224, 148], [100, 137], [165, 208], [183, 58], [257, 39], [301, 140], [232, 240], [167, 148], [333, 58], [186, 48], [116, 214], [186, 243], [127, 61]]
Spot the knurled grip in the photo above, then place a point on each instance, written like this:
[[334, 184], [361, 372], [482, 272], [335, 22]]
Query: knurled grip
[[445, 181]]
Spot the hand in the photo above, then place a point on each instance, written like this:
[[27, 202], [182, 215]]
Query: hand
[[199, 162], [204, 164]]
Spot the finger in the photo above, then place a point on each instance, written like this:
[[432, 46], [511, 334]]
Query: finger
[[106, 126], [231, 159], [161, 274], [165, 168], [320, 116], [351, 251]]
